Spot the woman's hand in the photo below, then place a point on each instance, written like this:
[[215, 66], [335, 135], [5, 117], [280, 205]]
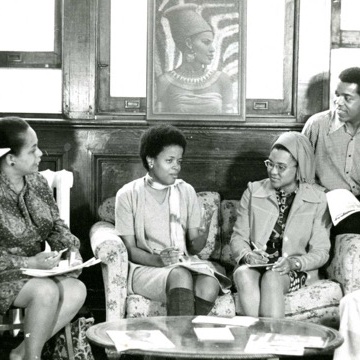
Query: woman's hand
[[282, 265], [170, 255], [44, 260], [256, 257]]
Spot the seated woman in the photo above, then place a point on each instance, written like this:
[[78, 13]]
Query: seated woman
[[29, 217], [158, 217], [282, 227]]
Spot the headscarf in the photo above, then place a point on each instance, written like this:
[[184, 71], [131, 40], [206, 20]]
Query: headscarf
[[300, 148], [185, 21]]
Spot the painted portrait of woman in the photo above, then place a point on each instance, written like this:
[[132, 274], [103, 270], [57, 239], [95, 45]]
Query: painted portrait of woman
[[196, 55]]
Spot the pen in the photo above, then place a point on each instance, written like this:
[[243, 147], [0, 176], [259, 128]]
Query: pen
[[60, 252], [257, 249]]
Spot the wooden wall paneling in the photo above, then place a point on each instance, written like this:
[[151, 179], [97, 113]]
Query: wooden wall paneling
[[55, 151], [114, 171], [79, 58]]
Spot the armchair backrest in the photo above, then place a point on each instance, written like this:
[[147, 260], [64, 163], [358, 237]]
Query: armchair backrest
[[62, 181]]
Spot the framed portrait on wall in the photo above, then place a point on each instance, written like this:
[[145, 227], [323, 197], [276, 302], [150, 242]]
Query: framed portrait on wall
[[196, 60]]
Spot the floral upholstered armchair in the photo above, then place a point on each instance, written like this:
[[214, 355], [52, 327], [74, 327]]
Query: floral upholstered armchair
[[317, 302], [108, 246]]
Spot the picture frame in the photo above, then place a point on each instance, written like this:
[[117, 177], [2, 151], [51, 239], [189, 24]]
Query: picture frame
[[196, 60]]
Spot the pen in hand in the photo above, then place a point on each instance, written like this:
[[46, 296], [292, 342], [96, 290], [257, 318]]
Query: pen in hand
[[60, 252], [259, 251]]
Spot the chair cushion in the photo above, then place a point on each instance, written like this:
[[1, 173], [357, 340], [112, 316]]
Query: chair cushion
[[345, 265], [139, 306], [317, 303], [224, 306], [227, 221]]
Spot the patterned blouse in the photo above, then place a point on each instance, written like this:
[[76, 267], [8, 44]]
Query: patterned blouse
[[27, 220], [274, 245]]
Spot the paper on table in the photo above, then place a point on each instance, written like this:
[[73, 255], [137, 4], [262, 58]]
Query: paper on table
[[269, 343], [214, 334], [304, 340], [235, 321], [260, 265], [265, 344], [58, 271], [139, 339]]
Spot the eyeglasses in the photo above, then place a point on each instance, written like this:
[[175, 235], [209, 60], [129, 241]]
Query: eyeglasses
[[280, 167]]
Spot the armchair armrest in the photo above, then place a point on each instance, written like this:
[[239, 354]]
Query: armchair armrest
[[345, 264], [109, 247]]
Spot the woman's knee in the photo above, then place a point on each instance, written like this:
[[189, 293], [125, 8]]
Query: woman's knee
[[74, 291], [243, 277], [273, 281], [42, 292], [207, 287], [79, 291], [180, 277]]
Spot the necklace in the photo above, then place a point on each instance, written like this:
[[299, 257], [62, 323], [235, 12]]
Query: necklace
[[192, 77], [187, 80]]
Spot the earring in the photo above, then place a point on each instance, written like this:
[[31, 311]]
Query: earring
[[12, 164], [190, 57], [151, 166]]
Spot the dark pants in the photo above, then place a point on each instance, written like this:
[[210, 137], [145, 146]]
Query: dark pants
[[350, 225]]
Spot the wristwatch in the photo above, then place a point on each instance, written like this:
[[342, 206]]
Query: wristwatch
[[296, 263]]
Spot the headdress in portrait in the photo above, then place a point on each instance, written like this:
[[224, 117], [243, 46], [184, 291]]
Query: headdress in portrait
[[185, 22]]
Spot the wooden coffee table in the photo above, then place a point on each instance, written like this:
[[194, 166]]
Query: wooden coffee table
[[180, 331]]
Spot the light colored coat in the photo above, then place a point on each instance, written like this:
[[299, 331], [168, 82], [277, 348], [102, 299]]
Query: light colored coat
[[306, 235]]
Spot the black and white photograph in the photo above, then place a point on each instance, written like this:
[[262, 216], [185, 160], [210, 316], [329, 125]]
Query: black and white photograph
[[195, 57], [179, 179]]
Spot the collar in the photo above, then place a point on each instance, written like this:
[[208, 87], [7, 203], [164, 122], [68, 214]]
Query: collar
[[305, 191], [335, 123], [5, 180]]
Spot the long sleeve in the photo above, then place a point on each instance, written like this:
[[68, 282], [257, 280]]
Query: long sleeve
[[240, 238], [319, 242], [9, 261]]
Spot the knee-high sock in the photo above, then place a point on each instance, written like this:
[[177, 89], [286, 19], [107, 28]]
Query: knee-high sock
[[202, 306], [180, 301]]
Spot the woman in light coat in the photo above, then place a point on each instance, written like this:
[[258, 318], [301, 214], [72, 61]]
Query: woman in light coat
[[281, 235]]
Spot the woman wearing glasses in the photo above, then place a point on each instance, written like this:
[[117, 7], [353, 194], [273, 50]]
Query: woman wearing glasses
[[281, 235]]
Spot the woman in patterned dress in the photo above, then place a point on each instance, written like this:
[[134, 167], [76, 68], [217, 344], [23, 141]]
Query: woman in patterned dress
[[281, 235], [28, 217]]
